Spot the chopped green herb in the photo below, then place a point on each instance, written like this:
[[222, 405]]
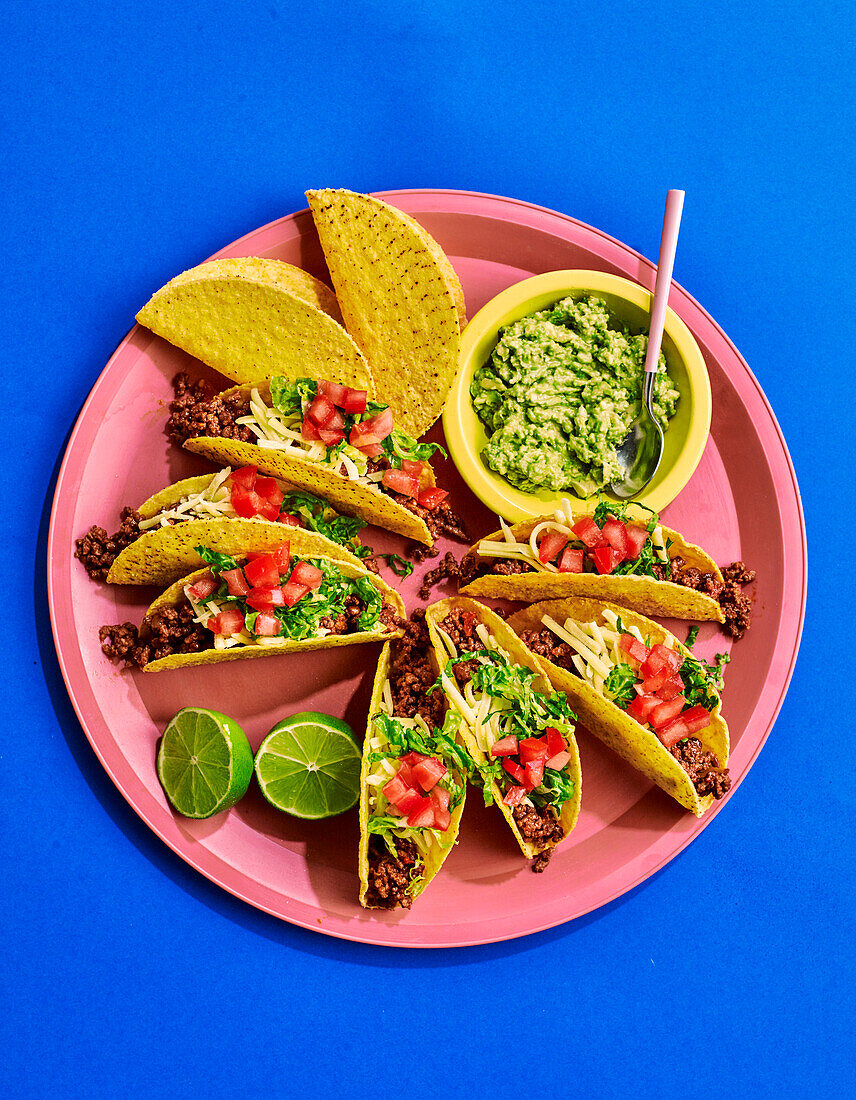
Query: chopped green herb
[[691, 637], [399, 565]]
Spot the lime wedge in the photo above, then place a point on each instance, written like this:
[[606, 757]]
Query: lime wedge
[[205, 762], [309, 766]]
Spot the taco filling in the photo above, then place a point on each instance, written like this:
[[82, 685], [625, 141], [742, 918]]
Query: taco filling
[[229, 494], [671, 694], [322, 423], [267, 600], [520, 731], [605, 543]]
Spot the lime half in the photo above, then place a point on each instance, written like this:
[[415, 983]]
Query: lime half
[[309, 766], [205, 762]]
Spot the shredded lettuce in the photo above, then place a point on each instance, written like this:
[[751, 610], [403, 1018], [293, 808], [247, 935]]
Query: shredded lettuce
[[399, 565], [318, 516], [220, 563], [292, 397], [619, 684]]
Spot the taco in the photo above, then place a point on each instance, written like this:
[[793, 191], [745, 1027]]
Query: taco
[[253, 604], [250, 318], [617, 552], [400, 298], [638, 689], [517, 730], [414, 775], [156, 543], [325, 439]]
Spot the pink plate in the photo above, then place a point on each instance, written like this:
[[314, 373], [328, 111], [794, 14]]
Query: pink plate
[[742, 501]]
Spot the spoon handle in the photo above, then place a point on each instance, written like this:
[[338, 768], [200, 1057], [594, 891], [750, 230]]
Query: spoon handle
[[665, 266]]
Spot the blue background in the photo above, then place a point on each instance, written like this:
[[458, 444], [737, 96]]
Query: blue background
[[138, 139]]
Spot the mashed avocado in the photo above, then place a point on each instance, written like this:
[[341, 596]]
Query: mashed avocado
[[559, 393]]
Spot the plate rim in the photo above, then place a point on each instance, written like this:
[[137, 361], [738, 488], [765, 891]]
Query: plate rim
[[187, 854]]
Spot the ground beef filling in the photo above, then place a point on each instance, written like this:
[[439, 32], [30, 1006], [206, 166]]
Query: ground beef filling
[[195, 411], [736, 607], [538, 825], [460, 625], [702, 767], [545, 644], [98, 550], [170, 630], [389, 875], [411, 674], [448, 569], [472, 567]]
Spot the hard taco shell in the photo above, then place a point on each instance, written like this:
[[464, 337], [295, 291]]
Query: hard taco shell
[[637, 744], [520, 655], [646, 595], [346, 496], [252, 318], [436, 855], [174, 595]]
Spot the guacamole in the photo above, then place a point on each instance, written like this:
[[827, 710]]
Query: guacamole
[[559, 393]]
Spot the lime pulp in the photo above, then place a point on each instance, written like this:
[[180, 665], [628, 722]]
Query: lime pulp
[[204, 762]]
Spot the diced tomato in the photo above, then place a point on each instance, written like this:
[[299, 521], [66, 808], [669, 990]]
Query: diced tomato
[[321, 411], [267, 509], [267, 487], [636, 538], [353, 401], [336, 423], [282, 557], [371, 450], [550, 545], [697, 718], [571, 559], [652, 684], [431, 498], [394, 810], [333, 391], [514, 770], [558, 761], [534, 773], [587, 531], [246, 502], [267, 624], [244, 477], [665, 712], [395, 789], [422, 814], [428, 773], [236, 581], [330, 436], [415, 469], [373, 430], [231, 621], [555, 741], [615, 534], [405, 774], [505, 746], [409, 800], [213, 624], [673, 732], [605, 559], [289, 520], [642, 706], [260, 599], [533, 748], [310, 575], [440, 797], [660, 656], [442, 818], [292, 592], [308, 430], [400, 482], [633, 647], [262, 572], [202, 589], [412, 758], [671, 688], [514, 795]]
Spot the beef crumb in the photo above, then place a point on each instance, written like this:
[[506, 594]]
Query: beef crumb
[[195, 411], [460, 625], [736, 608], [546, 644], [539, 863], [538, 825], [448, 569], [411, 674], [97, 550], [389, 876], [701, 766], [170, 630]]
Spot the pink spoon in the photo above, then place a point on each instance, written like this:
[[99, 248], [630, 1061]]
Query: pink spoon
[[640, 453]]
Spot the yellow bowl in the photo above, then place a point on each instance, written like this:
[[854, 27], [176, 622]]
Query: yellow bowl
[[688, 429]]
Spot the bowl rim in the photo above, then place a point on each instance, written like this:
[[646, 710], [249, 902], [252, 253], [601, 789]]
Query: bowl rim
[[517, 301]]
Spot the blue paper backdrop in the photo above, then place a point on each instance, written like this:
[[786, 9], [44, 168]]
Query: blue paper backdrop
[[138, 139]]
